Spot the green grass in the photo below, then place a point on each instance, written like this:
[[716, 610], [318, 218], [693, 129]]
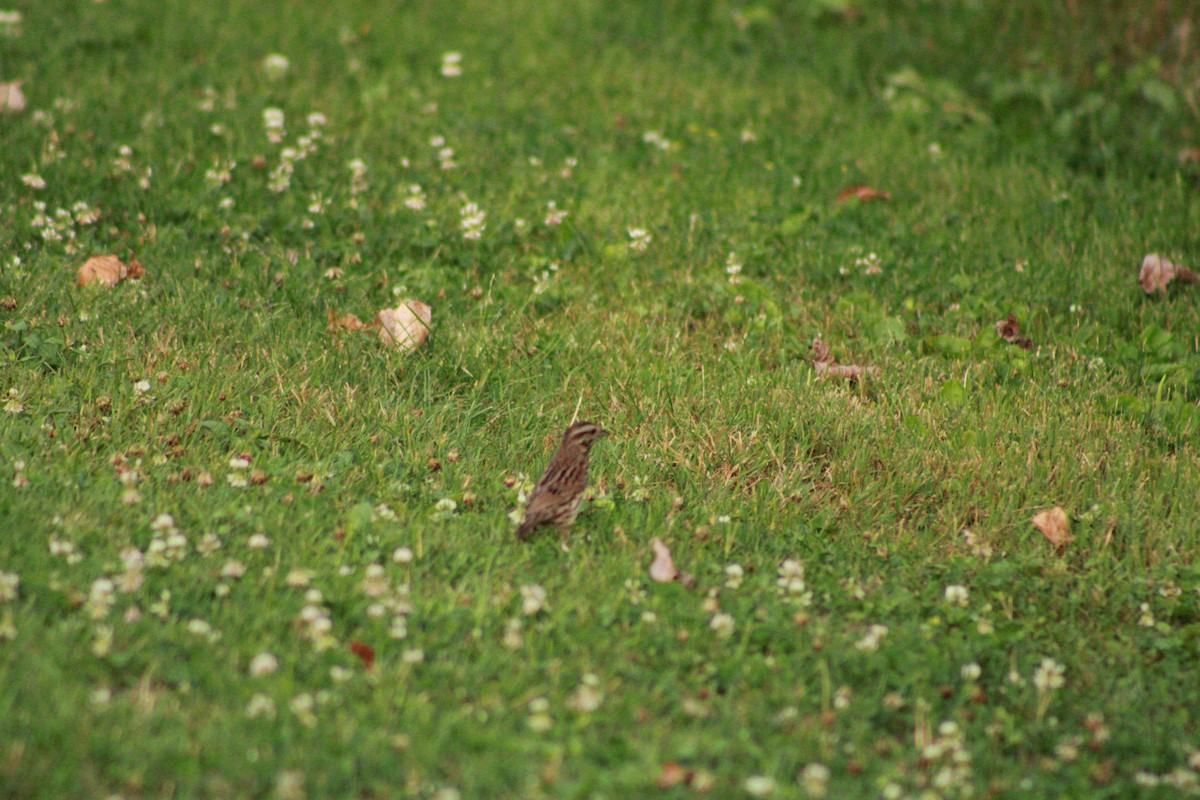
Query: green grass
[[1025, 133]]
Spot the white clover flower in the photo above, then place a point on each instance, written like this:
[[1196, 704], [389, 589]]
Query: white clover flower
[[1146, 620], [512, 639], [971, 672], [258, 541], [957, 595], [276, 65], [815, 778], [733, 265], [141, 387], [416, 197], [33, 181], [273, 123], [263, 664], [733, 576], [452, 64], [870, 642], [402, 555], [472, 223], [375, 582], [1049, 675], [100, 598], [299, 578], [554, 215], [759, 785], [446, 506], [722, 624], [260, 706], [233, 569], [533, 599], [199, 627], [9, 583], [588, 696], [639, 239]]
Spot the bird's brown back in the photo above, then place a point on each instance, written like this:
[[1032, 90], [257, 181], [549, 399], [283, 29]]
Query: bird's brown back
[[556, 497]]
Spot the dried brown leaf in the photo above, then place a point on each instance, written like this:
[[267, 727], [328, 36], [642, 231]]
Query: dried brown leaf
[[365, 653], [407, 326], [824, 364], [663, 569], [864, 193], [1010, 331], [108, 271], [346, 322], [12, 99], [1055, 526]]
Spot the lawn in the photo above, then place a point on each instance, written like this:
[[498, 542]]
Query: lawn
[[249, 550]]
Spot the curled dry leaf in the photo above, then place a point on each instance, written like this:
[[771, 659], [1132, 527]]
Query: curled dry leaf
[[108, 271], [346, 322], [12, 99], [824, 364], [365, 653], [1010, 331], [406, 326], [1055, 526], [864, 193], [663, 569], [1157, 273]]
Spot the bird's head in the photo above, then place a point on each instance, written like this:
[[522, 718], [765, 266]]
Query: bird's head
[[584, 434]]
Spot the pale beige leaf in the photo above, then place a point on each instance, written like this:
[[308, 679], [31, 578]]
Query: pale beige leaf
[[105, 270], [663, 569], [12, 99], [1156, 273], [407, 326], [1055, 526]]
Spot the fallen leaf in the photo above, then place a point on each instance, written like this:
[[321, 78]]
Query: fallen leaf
[[108, 271], [406, 326], [1157, 272], [12, 99], [663, 569], [365, 653], [346, 322], [1055, 526], [864, 193], [824, 364], [671, 776], [1010, 331]]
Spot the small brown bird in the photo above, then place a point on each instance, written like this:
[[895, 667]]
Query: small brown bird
[[555, 499]]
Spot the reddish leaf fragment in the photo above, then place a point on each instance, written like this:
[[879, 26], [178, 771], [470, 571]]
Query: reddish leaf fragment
[[1010, 331], [365, 652], [671, 776], [1055, 526], [863, 193]]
